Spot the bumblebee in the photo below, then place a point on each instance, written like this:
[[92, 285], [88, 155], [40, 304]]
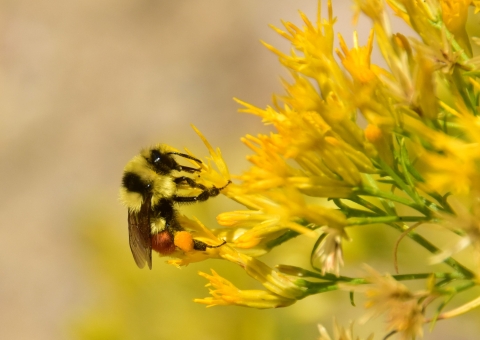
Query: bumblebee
[[150, 190]]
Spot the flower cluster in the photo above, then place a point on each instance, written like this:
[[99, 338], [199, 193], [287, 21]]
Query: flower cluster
[[392, 145]]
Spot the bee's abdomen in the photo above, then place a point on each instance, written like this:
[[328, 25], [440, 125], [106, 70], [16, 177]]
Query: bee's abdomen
[[163, 242]]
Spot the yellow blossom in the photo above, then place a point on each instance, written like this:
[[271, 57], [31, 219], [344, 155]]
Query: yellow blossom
[[357, 60], [382, 140], [372, 8], [454, 14], [225, 293], [420, 15], [422, 136], [208, 174], [476, 3], [277, 213], [457, 158], [302, 95], [306, 137], [270, 278], [439, 171]]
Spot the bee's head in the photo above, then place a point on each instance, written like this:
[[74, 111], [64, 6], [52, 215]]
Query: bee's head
[[159, 159], [141, 179]]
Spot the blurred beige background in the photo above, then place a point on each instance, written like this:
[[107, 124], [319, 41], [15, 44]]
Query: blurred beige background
[[83, 86]]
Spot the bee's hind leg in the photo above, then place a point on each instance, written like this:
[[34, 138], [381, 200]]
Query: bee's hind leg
[[202, 246]]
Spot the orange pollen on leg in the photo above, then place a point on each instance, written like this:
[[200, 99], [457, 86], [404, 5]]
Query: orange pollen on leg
[[184, 241], [163, 243]]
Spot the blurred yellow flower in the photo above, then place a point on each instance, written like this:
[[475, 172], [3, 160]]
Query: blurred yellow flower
[[454, 14], [339, 333], [404, 314], [403, 310]]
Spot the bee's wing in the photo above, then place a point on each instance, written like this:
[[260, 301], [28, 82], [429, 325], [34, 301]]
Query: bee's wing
[[139, 234]]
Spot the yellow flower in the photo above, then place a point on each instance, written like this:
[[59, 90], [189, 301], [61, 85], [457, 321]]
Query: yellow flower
[[372, 8], [316, 63], [208, 175], [270, 278], [357, 60], [306, 138], [225, 293], [439, 170], [274, 281], [315, 42], [277, 212], [431, 19], [421, 15], [452, 157], [382, 140], [454, 14], [271, 170], [414, 142], [476, 3]]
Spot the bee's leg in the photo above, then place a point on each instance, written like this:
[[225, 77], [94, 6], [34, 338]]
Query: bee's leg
[[199, 245], [190, 182], [188, 199], [207, 192], [184, 155], [185, 168]]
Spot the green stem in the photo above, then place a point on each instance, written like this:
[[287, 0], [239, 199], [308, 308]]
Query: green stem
[[322, 287], [464, 89], [419, 204], [463, 57], [383, 219], [289, 234], [363, 202], [388, 205], [434, 250], [405, 162], [370, 191], [352, 212], [412, 235], [301, 272]]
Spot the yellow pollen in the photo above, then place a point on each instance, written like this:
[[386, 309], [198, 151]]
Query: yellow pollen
[[184, 241]]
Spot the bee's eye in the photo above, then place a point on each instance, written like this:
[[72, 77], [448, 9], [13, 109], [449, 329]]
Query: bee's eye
[[162, 163], [156, 156]]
